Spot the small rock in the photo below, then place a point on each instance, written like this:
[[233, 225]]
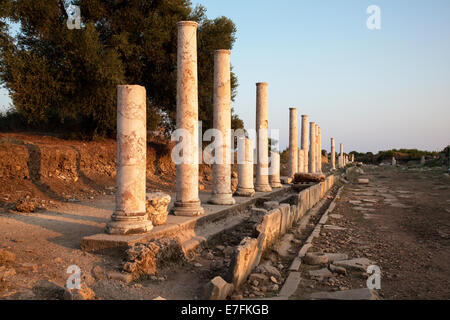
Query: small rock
[[237, 297], [124, 277], [217, 289], [25, 206], [228, 251], [270, 271], [33, 267], [320, 274], [7, 273], [258, 277], [338, 270], [84, 293], [98, 273], [208, 255], [273, 279], [314, 258], [6, 256]]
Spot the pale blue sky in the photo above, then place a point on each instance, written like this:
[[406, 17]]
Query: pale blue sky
[[370, 89]]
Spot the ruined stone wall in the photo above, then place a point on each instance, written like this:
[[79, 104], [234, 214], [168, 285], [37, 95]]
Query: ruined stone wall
[[276, 222]]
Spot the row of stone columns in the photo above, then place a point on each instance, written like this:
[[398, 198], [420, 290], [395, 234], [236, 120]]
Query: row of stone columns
[[130, 215]]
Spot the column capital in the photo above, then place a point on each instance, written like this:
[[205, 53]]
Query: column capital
[[187, 24]]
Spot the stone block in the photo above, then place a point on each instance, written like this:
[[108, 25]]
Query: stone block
[[293, 216], [291, 284], [358, 264], [356, 294], [303, 204], [285, 212], [244, 260], [157, 204], [270, 227], [217, 289]]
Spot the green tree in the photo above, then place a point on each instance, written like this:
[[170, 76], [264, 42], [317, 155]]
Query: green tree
[[68, 78]]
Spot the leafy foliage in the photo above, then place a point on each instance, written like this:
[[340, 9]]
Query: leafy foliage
[[65, 78]]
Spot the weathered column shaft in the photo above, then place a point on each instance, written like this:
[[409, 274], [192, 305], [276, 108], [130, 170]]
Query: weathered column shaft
[[293, 142], [312, 147], [301, 160], [315, 148], [319, 146], [221, 192], [262, 139], [341, 157], [130, 216], [187, 199], [305, 142], [333, 154], [245, 168], [274, 178]]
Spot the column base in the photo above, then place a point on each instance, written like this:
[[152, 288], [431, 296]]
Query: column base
[[276, 185], [263, 188], [222, 199], [188, 209], [245, 192], [121, 225]]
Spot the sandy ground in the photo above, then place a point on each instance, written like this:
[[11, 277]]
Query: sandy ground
[[402, 224], [405, 229]]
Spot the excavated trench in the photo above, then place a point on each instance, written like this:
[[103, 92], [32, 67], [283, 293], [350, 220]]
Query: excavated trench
[[215, 256]]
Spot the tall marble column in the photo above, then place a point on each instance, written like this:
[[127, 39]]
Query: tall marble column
[[319, 148], [262, 139], [293, 142], [221, 192], [312, 147], [333, 155], [187, 200], [274, 178], [301, 160], [245, 168], [341, 157], [130, 216], [305, 142]]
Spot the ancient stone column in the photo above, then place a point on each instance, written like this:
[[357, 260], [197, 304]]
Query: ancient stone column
[[274, 178], [301, 160], [317, 154], [422, 160], [187, 200], [221, 191], [341, 157], [262, 139], [319, 146], [130, 216], [333, 155], [245, 168], [312, 147], [293, 142], [353, 157], [394, 161], [305, 142]]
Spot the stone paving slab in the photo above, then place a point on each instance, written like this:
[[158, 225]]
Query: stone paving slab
[[356, 294]]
